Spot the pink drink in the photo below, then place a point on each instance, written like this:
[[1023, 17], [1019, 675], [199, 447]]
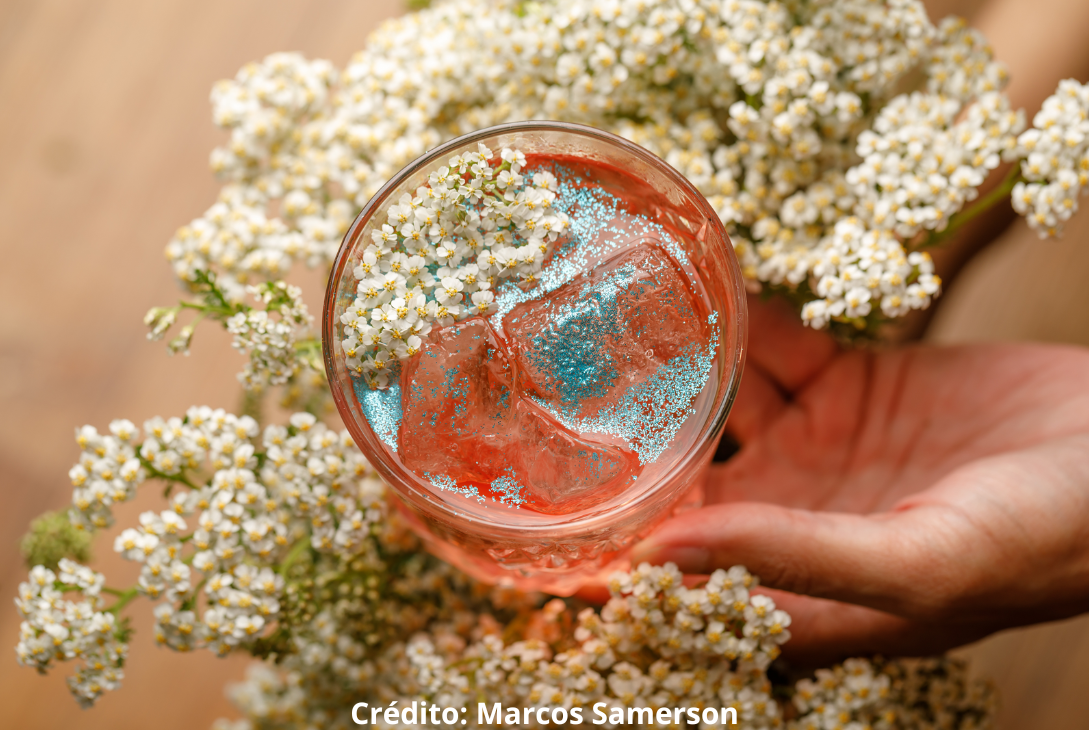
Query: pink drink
[[520, 408], [538, 442]]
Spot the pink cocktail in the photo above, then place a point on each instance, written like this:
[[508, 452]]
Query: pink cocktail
[[535, 441]]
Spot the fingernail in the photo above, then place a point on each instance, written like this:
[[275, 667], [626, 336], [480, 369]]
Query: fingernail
[[688, 559]]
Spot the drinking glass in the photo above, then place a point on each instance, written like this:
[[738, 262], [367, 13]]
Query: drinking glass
[[558, 552]]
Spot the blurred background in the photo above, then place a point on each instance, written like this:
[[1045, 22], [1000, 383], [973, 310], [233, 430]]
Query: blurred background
[[105, 132]]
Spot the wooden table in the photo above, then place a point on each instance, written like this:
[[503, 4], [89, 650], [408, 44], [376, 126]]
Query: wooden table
[[104, 138]]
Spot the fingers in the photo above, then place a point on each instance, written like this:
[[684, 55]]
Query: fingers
[[780, 345], [594, 593], [783, 356], [759, 402], [852, 558]]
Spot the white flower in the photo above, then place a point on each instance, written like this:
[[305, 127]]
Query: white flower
[[502, 234], [815, 313], [56, 629], [269, 342], [1055, 162], [482, 301], [785, 116]]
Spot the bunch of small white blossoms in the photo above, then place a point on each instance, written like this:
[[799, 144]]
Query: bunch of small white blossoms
[[281, 544], [279, 340], [436, 259], [838, 141], [878, 695], [243, 509], [655, 645], [1056, 160], [56, 629], [272, 342]]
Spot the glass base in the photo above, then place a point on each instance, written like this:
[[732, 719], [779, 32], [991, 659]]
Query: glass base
[[559, 570]]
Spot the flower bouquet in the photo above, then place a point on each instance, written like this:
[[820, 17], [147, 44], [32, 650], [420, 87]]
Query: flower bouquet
[[838, 142]]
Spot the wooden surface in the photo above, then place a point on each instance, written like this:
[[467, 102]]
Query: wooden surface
[[104, 137]]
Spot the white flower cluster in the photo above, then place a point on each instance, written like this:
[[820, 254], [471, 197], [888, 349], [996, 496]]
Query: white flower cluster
[[301, 558], [786, 116], [961, 63], [922, 693], [108, 473], [56, 629], [920, 165], [271, 341], [349, 643], [1056, 165], [243, 601], [436, 259], [299, 488], [860, 269], [654, 644], [238, 238]]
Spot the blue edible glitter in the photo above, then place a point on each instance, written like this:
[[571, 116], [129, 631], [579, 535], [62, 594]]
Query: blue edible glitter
[[591, 212], [447, 483], [382, 408], [569, 348], [649, 414], [510, 490]]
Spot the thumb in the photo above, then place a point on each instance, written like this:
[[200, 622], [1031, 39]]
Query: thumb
[[861, 559]]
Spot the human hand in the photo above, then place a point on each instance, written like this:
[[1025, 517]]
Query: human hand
[[903, 501]]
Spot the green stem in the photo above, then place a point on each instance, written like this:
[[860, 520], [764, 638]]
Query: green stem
[[156, 474], [208, 309], [123, 598], [208, 279], [253, 406], [311, 345], [980, 206], [293, 554], [189, 603]]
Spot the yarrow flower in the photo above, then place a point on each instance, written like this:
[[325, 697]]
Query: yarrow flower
[[109, 471], [1056, 160], [837, 141], [280, 542], [654, 644], [898, 694], [789, 120], [436, 260], [224, 539], [271, 336], [56, 629]]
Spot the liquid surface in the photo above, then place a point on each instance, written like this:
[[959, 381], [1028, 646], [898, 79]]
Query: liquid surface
[[575, 389]]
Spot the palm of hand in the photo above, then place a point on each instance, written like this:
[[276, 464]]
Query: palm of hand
[[869, 431], [948, 488]]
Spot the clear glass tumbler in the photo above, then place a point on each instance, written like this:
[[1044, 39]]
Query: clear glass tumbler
[[559, 552]]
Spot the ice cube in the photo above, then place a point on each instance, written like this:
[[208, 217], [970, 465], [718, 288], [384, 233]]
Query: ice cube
[[456, 404], [463, 423], [583, 346], [562, 471]]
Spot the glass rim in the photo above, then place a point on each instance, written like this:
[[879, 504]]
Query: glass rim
[[592, 520]]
